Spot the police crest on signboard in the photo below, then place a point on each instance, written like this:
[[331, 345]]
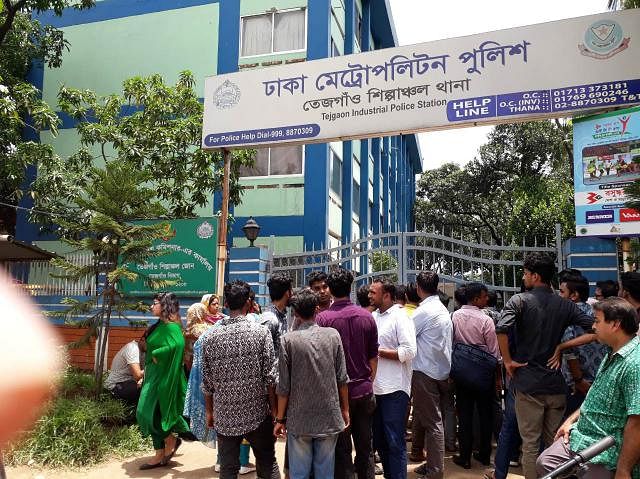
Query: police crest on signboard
[[226, 96], [205, 230], [603, 39]]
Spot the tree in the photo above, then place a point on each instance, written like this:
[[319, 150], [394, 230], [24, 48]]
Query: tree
[[155, 128], [384, 261], [106, 206], [518, 187], [139, 158], [622, 4], [23, 41]]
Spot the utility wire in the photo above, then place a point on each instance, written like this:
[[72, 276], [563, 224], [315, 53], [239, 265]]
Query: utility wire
[[34, 210]]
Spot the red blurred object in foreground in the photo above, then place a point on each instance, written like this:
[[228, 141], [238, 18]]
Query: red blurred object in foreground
[[29, 360]]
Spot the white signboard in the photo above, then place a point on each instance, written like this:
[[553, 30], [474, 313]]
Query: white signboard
[[547, 70]]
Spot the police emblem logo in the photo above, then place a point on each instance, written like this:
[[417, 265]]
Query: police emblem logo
[[603, 31], [603, 39], [205, 230], [226, 96]]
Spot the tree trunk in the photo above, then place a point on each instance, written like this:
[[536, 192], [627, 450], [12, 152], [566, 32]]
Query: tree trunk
[[108, 296], [12, 10]]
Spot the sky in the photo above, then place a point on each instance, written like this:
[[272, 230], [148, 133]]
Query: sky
[[420, 21]]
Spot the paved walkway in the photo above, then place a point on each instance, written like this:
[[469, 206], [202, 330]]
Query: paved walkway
[[195, 461]]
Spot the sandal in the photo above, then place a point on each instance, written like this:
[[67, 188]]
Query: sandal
[[170, 456]]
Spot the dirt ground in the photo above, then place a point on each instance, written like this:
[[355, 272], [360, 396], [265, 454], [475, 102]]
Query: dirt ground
[[194, 460]]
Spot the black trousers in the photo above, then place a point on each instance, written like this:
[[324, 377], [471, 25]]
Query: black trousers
[[466, 400], [127, 391], [263, 445], [361, 414]]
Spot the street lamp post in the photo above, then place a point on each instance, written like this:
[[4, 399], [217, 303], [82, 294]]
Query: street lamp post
[[251, 230]]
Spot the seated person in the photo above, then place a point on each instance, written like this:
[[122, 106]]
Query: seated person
[[125, 378], [612, 404]]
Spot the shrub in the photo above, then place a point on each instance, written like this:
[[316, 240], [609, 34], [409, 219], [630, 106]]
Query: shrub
[[76, 383], [78, 430]]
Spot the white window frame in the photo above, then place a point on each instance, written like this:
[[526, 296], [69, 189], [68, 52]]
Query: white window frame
[[335, 17], [273, 13], [294, 175]]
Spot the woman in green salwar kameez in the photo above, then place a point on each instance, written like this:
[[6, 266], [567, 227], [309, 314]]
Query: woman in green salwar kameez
[[161, 401]]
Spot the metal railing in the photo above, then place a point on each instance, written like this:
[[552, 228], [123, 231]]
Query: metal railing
[[401, 256], [38, 278]]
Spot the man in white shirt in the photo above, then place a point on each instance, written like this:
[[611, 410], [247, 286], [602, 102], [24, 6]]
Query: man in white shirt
[[431, 368], [125, 376], [392, 384]]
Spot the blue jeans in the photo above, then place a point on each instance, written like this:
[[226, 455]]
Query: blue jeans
[[389, 431], [311, 454], [509, 440]]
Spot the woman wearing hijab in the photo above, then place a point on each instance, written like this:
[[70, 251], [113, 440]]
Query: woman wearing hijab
[[196, 325], [213, 309], [161, 401]]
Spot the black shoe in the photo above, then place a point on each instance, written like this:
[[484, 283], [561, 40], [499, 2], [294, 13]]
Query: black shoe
[[458, 461], [421, 470], [485, 461]]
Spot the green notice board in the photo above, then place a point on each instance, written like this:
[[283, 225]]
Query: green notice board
[[191, 259]]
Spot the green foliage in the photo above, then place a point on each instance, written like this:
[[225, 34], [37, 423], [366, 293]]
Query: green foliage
[[633, 193], [22, 41], [518, 187], [154, 129], [384, 261], [76, 384], [78, 430]]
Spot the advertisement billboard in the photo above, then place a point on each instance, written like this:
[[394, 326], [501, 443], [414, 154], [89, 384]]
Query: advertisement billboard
[[547, 70], [606, 156], [190, 259]]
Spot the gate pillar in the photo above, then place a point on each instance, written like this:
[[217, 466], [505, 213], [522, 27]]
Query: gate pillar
[[597, 258], [252, 265]]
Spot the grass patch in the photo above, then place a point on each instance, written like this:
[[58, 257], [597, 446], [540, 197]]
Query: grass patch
[[79, 430]]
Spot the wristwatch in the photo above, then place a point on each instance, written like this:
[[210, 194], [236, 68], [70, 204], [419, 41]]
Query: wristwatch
[[280, 420]]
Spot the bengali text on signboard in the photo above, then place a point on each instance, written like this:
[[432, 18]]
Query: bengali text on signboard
[[189, 261], [547, 70]]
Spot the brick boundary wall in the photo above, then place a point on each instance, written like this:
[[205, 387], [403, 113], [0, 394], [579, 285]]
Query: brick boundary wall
[[83, 358]]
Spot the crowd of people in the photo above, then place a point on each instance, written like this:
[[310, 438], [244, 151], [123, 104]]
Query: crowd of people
[[550, 374]]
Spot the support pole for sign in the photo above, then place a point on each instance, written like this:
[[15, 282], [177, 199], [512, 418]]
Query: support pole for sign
[[222, 225]]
